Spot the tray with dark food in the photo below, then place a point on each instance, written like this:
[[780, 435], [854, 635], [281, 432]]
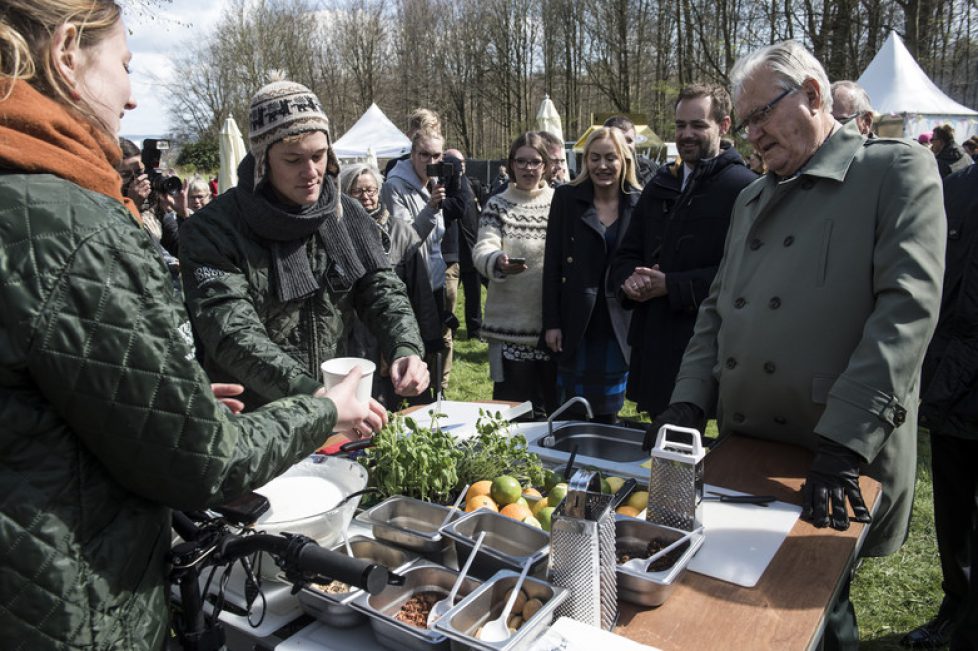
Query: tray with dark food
[[640, 539]]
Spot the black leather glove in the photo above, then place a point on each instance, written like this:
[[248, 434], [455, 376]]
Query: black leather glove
[[832, 479], [680, 414]]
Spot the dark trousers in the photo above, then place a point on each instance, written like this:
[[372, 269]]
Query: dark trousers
[[841, 631], [472, 289], [535, 381], [954, 465]]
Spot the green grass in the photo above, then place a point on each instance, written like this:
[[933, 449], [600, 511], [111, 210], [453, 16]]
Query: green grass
[[892, 595]]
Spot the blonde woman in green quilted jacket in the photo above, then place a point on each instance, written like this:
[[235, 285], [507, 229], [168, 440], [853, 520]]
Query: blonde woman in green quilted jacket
[[106, 420]]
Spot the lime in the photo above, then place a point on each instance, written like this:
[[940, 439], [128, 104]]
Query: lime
[[550, 479], [638, 500], [544, 516], [606, 486], [506, 490], [615, 483], [536, 507], [533, 522], [557, 493]]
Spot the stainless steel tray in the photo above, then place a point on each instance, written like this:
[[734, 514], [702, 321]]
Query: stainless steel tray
[[650, 588], [508, 545], [381, 608], [487, 602], [333, 607], [409, 523]]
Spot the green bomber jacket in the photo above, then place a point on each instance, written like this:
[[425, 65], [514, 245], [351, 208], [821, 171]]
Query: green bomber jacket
[[275, 348]]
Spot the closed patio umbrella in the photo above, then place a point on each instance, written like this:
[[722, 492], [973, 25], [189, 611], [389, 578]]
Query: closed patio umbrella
[[548, 119], [232, 152]]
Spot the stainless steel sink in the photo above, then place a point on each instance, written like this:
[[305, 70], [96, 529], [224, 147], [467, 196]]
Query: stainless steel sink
[[609, 442]]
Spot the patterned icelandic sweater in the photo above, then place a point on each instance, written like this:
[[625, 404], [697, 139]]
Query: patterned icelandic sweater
[[513, 222]]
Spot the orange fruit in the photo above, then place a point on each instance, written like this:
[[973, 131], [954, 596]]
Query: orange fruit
[[505, 490], [531, 494], [479, 488], [518, 512], [480, 502], [630, 511]]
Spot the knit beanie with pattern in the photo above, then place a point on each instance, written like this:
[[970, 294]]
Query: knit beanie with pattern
[[282, 109]]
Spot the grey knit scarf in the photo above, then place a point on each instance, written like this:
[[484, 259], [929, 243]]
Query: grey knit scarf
[[351, 242]]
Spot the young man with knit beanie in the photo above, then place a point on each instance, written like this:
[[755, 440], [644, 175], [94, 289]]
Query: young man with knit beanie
[[275, 270], [509, 252]]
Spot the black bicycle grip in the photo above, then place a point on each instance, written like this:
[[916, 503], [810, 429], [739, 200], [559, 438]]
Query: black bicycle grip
[[314, 559]]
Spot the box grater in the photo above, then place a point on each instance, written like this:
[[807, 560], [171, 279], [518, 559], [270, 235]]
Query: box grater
[[676, 479], [582, 552]]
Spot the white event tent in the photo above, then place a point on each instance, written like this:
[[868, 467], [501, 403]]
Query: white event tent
[[899, 88], [373, 134]]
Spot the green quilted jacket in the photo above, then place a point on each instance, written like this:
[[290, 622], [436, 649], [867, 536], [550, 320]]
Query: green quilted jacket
[[106, 422], [273, 348]]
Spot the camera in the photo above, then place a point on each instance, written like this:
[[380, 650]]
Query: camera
[[152, 153], [440, 172]]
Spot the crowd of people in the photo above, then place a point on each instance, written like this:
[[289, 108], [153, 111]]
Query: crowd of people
[[162, 346]]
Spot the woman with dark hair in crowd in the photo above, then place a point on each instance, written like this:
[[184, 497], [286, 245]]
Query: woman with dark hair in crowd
[[584, 323], [949, 154], [106, 420], [509, 251], [403, 248]]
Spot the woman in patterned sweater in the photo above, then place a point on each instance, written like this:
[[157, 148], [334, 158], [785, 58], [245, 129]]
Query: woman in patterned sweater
[[509, 252]]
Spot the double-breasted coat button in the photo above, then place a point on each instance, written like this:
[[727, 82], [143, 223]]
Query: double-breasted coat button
[[769, 367], [563, 279], [788, 241], [738, 418], [774, 303], [780, 420], [570, 258], [740, 302], [731, 362], [755, 244]]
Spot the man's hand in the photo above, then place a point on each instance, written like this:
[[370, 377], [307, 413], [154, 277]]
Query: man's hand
[[224, 394], [437, 196], [554, 339], [645, 283], [410, 376], [832, 479], [680, 414], [180, 201], [353, 416]]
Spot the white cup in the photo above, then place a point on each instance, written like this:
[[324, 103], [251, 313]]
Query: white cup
[[336, 369]]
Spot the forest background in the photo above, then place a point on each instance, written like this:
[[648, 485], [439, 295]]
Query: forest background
[[485, 66]]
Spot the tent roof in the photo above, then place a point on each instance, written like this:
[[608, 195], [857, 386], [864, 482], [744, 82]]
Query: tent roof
[[896, 84], [373, 130], [641, 130]]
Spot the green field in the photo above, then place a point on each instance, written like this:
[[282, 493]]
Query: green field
[[892, 595]]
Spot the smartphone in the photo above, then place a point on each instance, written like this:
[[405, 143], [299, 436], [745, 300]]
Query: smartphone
[[245, 509], [517, 261]]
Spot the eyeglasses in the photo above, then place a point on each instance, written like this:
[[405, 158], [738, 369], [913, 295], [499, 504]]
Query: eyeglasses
[[527, 163], [364, 192], [759, 116], [846, 118]]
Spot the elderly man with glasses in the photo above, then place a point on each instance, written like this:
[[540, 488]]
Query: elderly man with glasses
[[816, 325], [850, 101]]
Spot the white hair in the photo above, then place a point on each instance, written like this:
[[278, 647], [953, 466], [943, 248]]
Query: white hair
[[790, 62], [350, 173], [858, 97]]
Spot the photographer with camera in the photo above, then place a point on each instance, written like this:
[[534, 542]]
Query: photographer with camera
[[135, 181], [415, 191]]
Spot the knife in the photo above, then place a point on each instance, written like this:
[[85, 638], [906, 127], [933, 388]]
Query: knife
[[759, 500]]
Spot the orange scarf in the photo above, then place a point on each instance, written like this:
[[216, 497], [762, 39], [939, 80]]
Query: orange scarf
[[39, 135]]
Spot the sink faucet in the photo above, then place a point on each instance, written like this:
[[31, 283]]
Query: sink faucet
[[549, 440]]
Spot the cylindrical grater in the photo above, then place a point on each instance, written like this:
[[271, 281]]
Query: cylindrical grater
[[582, 552], [676, 480]]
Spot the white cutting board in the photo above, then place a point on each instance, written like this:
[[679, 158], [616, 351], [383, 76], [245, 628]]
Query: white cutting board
[[741, 539]]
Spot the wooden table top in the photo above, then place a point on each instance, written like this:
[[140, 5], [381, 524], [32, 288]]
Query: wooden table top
[[785, 610]]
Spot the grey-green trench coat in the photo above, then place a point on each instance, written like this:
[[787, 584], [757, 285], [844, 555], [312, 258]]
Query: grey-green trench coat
[[822, 309]]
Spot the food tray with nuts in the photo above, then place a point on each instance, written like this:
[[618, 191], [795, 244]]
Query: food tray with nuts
[[636, 538], [330, 603], [399, 614], [531, 615]]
